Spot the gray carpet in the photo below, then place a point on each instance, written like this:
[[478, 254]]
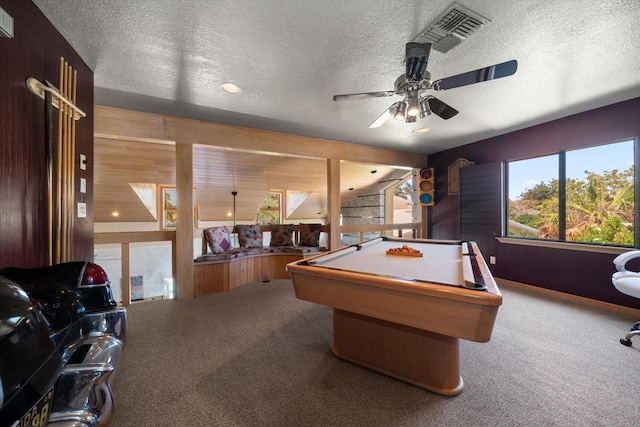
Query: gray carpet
[[257, 356]]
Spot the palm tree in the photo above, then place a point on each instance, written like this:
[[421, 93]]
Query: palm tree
[[595, 205], [598, 209]]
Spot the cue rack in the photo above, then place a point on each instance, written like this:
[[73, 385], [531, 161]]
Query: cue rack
[[60, 160]]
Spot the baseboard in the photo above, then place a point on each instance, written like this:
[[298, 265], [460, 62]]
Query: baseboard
[[569, 297]]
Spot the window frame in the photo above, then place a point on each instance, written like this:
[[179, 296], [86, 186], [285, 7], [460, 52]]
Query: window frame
[[165, 209], [279, 209], [389, 198], [561, 242]]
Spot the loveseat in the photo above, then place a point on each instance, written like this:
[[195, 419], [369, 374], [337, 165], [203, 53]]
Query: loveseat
[[223, 266]]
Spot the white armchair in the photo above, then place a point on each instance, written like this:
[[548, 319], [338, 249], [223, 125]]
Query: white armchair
[[627, 282]]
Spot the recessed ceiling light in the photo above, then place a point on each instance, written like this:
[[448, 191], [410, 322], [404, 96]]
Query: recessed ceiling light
[[115, 213], [421, 130], [230, 87]]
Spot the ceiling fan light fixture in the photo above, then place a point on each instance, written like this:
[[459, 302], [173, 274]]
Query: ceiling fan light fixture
[[401, 112], [425, 110], [413, 110]]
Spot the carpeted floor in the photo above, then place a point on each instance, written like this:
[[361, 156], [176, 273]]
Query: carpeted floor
[[257, 356]]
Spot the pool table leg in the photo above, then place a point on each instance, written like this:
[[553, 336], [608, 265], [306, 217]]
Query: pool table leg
[[422, 358]]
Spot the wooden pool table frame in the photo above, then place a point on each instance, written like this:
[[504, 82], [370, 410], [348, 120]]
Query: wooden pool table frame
[[406, 329]]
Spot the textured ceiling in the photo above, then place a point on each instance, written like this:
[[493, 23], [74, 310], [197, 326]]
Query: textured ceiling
[[291, 56]]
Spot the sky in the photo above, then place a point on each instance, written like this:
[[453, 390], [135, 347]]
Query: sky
[[525, 174]]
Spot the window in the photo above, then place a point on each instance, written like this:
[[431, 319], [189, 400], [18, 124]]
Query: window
[[401, 205], [584, 195], [533, 202], [170, 207], [169, 215], [271, 210]]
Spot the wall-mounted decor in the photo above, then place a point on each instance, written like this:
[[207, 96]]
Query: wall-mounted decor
[[137, 288], [426, 185], [61, 160]]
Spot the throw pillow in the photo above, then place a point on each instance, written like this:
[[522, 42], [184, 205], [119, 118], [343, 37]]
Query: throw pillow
[[282, 235], [249, 236], [218, 239], [310, 234]]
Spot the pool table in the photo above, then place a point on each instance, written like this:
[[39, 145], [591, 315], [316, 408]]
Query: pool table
[[403, 314]]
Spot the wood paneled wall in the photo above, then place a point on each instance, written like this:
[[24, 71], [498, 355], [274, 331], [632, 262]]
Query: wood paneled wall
[[585, 274], [35, 51]]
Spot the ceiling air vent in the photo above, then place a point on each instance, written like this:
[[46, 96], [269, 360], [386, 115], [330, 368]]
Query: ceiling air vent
[[451, 28]]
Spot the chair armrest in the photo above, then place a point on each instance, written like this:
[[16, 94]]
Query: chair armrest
[[622, 259]]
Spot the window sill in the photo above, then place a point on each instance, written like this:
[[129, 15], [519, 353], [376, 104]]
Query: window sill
[[564, 245]]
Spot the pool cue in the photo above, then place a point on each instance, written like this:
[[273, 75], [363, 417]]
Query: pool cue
[[68, 197], [73, 74], [65, 167], [58, 178], [65, 171], [65, 132], [49, 165]]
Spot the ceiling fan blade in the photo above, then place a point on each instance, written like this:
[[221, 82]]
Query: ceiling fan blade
[[363, 95], [441, 109], [386, 115], [481, 75]]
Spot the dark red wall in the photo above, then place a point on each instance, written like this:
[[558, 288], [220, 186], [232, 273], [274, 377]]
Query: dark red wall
[[35, 51], [579, 273]]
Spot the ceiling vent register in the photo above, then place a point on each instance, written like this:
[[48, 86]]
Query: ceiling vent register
[[451, 28]]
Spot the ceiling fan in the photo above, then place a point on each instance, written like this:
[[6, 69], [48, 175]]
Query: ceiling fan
[[416, 80]]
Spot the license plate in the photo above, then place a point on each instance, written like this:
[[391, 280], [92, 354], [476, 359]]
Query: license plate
[[38, 415]]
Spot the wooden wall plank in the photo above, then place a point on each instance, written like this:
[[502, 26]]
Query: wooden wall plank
[[35, 51]]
